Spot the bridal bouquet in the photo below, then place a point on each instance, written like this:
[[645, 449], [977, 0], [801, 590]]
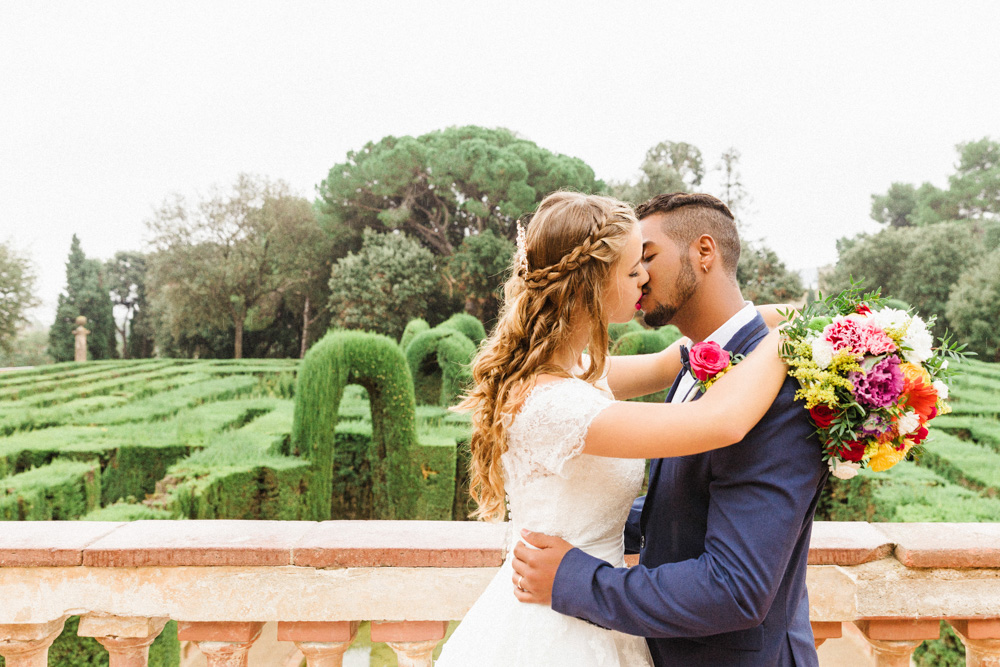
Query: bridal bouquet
[[870, 377]]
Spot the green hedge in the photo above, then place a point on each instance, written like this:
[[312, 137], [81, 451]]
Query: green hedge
[[376, 363], [62, 490], [618, 329], [465, 324], [964, 463], [413, 327], [439, 364]]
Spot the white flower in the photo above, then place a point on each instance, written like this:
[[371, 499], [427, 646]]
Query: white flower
[[941, 388], [908, 423], [944, 364], [890, 318], [822, 351], [844, 469], [920, 342]]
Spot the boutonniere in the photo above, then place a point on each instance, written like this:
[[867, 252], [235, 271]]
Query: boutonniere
[[709, 362]]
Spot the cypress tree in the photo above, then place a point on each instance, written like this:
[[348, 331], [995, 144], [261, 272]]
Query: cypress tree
[[86, 295]]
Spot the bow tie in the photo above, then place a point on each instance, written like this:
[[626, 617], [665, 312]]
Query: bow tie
[[685, 360]]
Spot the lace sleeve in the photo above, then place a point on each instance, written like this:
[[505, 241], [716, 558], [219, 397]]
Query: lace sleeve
[[553, 425]]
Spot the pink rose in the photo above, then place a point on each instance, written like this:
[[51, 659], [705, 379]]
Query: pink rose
[[707, 359]]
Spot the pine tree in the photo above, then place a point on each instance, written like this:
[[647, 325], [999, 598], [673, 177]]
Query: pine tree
[[86, 295]]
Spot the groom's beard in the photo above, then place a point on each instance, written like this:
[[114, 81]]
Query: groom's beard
[[684, 288]]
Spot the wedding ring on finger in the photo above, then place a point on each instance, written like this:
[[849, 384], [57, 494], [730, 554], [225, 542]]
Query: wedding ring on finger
[[520, 578]]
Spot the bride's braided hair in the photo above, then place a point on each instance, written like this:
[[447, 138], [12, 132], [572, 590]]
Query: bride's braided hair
[[572, 243]]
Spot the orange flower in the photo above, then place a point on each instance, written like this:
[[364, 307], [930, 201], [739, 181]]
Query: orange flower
[[918, 394]]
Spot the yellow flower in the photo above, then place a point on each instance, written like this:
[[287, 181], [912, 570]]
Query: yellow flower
[[710, 381], [888, 456]]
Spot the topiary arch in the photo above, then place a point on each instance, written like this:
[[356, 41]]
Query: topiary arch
[[413, 327], [465, 324], [439, 362], [376, 363]]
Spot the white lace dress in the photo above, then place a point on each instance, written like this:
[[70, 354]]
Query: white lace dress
[[555, 489]]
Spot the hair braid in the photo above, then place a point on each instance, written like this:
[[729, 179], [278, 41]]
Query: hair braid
[[575, 240]]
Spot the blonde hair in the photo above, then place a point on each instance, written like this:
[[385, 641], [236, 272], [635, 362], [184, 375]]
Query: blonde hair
[[572, 243]]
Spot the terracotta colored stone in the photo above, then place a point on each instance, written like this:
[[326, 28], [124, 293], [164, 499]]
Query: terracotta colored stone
[[49, 543], [827, 630], [178, 543], [948, 545], [27, 645], [900, 629], [317, 631], [402, 544], [847, 543], [219, 631], [414, 654], [631, 560], [408, 631], [978, 628], [93, 625]]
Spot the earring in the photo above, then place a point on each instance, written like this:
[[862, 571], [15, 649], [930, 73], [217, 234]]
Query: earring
[[704, 268]]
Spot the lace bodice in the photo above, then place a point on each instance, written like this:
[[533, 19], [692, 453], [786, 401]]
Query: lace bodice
[[552, 487]]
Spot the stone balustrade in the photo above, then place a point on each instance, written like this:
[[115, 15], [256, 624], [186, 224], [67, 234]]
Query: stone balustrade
[[222, 580]]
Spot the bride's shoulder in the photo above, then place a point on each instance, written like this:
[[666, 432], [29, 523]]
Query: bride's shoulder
[[550, 390]]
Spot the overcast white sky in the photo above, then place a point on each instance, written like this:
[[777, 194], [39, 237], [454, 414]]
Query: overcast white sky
[[107, 107]]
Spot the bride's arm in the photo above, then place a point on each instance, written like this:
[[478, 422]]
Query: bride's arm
[[722, 417], [643, 374]]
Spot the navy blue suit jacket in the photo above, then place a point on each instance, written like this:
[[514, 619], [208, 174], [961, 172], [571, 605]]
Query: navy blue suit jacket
[[723, 539]]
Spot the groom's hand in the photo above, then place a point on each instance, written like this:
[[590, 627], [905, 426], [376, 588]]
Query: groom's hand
[[535, 569]]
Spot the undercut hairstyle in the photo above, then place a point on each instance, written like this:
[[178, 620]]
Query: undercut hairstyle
[[692, 215]]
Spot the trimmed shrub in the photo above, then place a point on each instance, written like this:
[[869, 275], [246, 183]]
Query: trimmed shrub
[[62, 490], [465, 324], [439, 363], [616, 329], [376, 363], [126, 511], [413, 327]]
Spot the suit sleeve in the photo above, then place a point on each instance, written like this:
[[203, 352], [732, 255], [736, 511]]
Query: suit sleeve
[[633, 531], [762, 490]]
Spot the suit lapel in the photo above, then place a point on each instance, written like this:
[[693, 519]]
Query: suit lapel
[[738, 344]]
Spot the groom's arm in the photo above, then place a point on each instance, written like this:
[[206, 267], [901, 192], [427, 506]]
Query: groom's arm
[[763, 489]]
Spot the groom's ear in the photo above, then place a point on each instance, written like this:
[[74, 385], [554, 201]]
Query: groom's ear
[[706, 251]]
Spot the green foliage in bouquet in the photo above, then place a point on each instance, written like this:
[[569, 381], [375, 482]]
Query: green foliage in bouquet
[[376, 363]]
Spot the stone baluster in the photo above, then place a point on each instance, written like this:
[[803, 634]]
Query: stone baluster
[[982, 641], [27, 644], [894, 640], [224, 644], [126, 638], [412, 641], [322, 643], [823, 630]]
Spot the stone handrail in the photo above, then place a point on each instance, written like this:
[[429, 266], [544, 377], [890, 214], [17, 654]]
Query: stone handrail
[[222, 580]]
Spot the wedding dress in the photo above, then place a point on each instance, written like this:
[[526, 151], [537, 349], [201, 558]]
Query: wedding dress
[[553, 488]]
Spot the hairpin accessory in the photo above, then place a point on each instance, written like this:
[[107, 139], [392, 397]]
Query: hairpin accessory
[[522, 250]]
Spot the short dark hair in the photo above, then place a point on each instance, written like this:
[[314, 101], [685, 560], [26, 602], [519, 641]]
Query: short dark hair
[[693, 215]]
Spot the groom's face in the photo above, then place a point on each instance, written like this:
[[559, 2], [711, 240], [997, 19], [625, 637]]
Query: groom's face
[[672, 278]]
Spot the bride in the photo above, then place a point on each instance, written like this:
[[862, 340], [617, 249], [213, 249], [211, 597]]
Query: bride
[[549, 437]]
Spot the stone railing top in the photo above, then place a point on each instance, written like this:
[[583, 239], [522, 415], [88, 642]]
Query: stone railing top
[[339, 544]]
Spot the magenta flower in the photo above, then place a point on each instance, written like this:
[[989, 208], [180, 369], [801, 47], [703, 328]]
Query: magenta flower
[[845, 333], [880, 386]]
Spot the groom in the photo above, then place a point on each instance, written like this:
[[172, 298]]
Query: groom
[[723, 536]]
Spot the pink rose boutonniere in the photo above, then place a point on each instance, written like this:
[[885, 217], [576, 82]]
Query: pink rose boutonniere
[[709, 362]]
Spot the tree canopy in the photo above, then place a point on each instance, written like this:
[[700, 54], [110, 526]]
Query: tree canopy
[[86, 294], [444, 185], [17, 294]]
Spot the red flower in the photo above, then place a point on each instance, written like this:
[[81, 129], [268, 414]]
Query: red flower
[[918, 394], [822, 415], [863, 309], [919, 436], [853, 450], [707, 360]]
